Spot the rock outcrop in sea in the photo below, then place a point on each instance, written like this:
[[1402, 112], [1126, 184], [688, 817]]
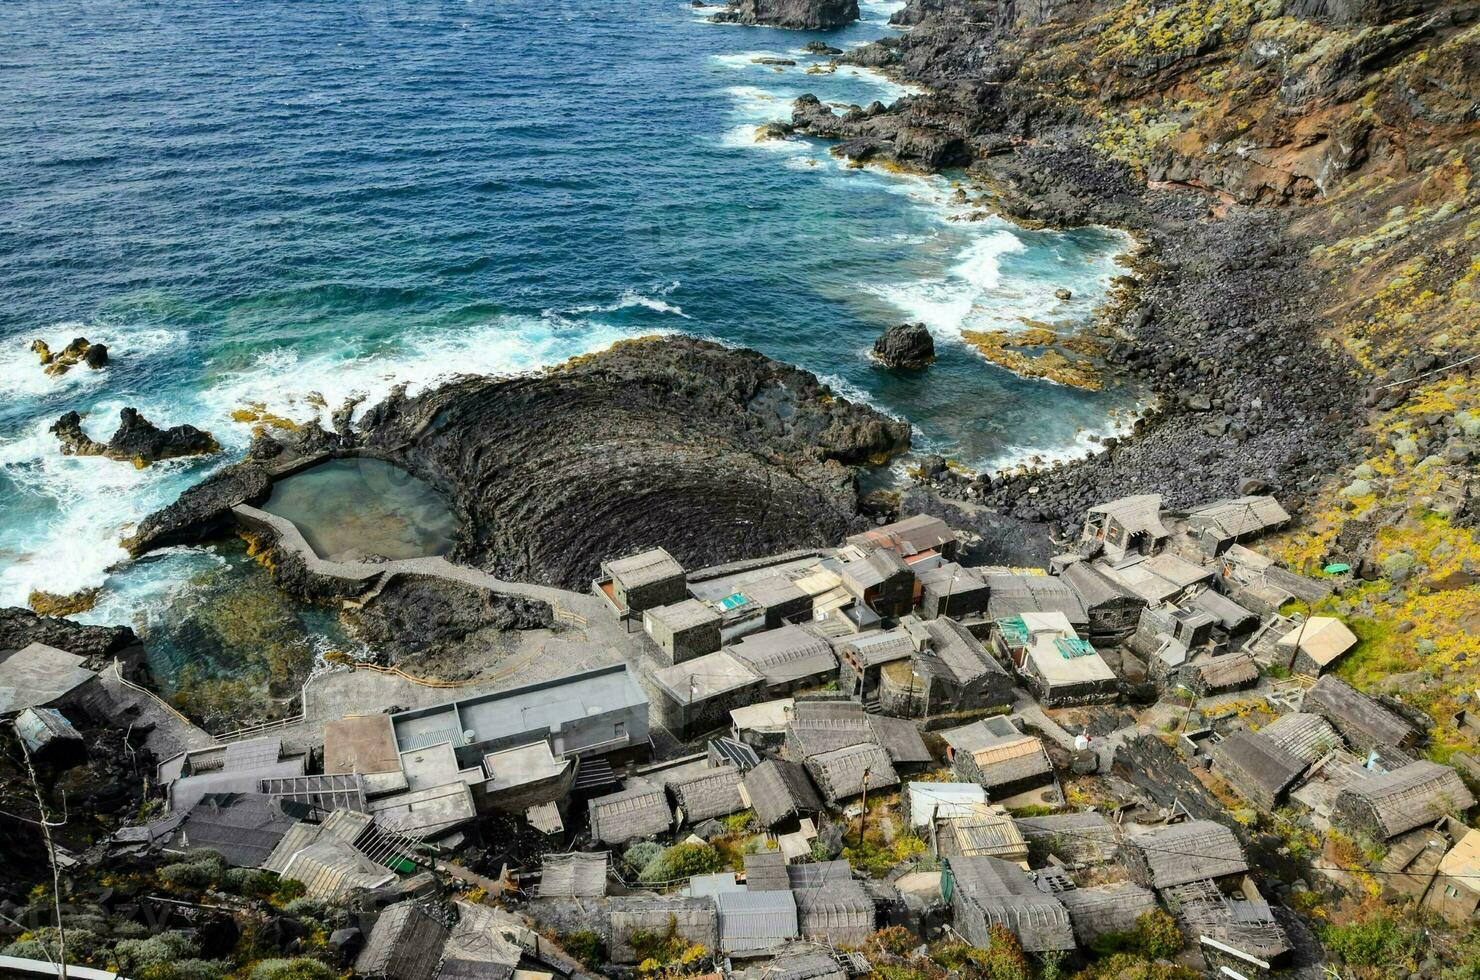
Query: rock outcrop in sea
[[711, 452], [907, 346], [801, 15], [79, 351], [136, 440]]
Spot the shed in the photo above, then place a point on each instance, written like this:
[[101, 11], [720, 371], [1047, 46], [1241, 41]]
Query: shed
[[485, 943], [1183, 852], [1362, 721], [244, 828], [405, 944], [928, 801], [40, 676], [683, 630], [861, 660], [1229, 618], [45, 730], [1315, 644], [995, 754], [780, 790], [805, 965], [1159, 578], [987, 891], [714, 792], [577, 874], [1218, 675], [630, 815], [982, 830], [1112, 609], [950, 590], [643, 581], [766, 871], [787, 656], [900, 737], [1308, 737], [754, 922], [694, 920], [845, 773], [1079, 838], [1257, 768], [882, 581], [1105, 909], [1219, 524], [1390, 803], [823, 726], [1130, 525], [331, 868], [917, 534], [836, 911]]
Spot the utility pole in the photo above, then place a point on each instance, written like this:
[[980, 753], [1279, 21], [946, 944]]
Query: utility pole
[[863, 817]]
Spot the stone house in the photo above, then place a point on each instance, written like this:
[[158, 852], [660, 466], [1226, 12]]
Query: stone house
[[683, 630], [882, 581], [1128, 526], [1217, 525], [917, 535], [949, 671], [1455, 892], [993, 753], [643, 581], [1258, 769], [697, 696], [1058, 666], [1113, 610], [632, 814], [1366, 724], [1184, 852], [1313, 646], [950, 590], [861, 661], [988, 891], [1391, 803], [694, 920]]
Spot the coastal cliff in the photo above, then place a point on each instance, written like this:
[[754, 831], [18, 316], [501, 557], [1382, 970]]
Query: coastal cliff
[[711, 452]]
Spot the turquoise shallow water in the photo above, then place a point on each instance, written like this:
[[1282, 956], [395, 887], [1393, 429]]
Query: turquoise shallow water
[[252, 202]]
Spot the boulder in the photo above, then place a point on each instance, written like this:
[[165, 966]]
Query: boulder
[[801, 15], [136, 440], [905, 345]]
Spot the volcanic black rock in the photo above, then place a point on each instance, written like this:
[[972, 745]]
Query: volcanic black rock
[[905, 345], [21, 627], [136, 440], [802, 15], [710, 452], [420, 617], [203, 511]]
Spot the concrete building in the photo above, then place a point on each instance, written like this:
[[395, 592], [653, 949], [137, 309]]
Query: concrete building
[[697, 696], [683, 630], [1061, 668], [591, 713], [642, 581]]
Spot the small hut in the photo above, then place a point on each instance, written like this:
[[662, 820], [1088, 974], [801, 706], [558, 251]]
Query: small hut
[[1363, 722], [781, 791], [714, 792], [683, 630], [405, 944], [1104, 909], [1455, 893], [836, 912], [1314, 645], [1308, 737], [1183, 852], [1220, 675], [630, 815], [987, 891], [980, 830], [995, 754], [1258, 769], [847, 772], [574, 875], [1391, 803], [1077, 838], [1112, 609], [694, 920]]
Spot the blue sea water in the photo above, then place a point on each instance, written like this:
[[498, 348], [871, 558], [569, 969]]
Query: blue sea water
[[288, 203]]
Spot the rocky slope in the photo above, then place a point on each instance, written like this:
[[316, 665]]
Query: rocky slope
[[713, 453], [1271, 155]]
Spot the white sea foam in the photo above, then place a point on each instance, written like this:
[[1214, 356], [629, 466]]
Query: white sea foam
[[21, 374], [1084, 442], [96, 500], [959, 299], [631, 298]]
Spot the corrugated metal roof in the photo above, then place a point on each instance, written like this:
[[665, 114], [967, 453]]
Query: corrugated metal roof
[[755, 921], [931, 800]]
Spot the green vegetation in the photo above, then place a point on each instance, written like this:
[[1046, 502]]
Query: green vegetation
[[586, 946]]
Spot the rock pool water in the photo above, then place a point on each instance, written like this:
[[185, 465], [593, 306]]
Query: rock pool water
[[361, 507]]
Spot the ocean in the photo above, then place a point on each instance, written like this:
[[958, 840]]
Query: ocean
[[285, 204]]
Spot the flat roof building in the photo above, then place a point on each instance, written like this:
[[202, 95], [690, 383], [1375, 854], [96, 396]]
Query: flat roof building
[[683, 630]]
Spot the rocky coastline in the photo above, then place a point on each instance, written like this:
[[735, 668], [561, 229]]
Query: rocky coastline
[[1223, 326], [711, 452], [799, 15]]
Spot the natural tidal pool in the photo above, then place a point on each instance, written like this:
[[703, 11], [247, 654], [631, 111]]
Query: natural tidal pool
[[353, 508]]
